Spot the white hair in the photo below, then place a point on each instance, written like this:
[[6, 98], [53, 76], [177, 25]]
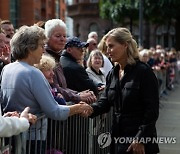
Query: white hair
[[51, 24], [144, 51], [91, 34]]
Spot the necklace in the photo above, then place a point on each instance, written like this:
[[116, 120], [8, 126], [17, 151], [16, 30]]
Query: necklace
[[121, 74]]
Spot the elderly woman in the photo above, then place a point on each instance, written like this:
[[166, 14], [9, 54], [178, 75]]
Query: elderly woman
[[132, 91], [55, 31], [24, 85], [46, 66], [94, 63], [144, 55]]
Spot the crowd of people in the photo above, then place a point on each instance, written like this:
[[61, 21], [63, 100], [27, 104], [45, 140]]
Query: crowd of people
[[44, 72]]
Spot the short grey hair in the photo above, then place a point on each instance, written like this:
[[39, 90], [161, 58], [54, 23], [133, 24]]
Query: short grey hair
[[50, 25], [26, 39], [92, 33], [94, 52]]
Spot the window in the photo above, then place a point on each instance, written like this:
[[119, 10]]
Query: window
[[14, 14], [94, 1], [57, 9], [37, 14], [165, 36], [77, 30], [93, 27]]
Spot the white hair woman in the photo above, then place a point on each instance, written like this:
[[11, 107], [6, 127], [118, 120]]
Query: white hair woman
[[144, 55], [93, 35], [55, 31]]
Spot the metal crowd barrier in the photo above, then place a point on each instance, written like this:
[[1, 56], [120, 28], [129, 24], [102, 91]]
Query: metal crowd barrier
[[5, 148], [77, 135], [165, 79]]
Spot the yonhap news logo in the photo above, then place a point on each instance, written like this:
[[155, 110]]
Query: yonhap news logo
[[105, 139]]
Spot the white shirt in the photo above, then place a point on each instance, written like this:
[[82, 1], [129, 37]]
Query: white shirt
[[107, 66], [10, 126]]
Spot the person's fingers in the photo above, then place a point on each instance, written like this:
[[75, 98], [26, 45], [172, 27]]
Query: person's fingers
[[32, 118], [129, 148], [85, 107], [25, 113], [91, 99], [86, 113], [81, 102], [26, 110], [137, 148], [16, 114]]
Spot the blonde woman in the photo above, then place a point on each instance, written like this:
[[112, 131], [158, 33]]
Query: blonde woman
[[132, 90]]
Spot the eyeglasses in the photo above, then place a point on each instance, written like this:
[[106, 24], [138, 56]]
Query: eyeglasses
[[42, 45]]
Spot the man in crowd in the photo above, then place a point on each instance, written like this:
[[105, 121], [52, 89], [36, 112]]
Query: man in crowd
[[7, 28], [76, 76]]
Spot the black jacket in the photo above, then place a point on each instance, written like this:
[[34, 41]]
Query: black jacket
[[135, 102], [76, 76]]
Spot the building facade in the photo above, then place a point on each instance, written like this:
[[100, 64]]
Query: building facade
[[85, 15], [28, 12]]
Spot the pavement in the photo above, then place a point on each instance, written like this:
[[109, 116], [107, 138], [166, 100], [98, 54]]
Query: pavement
[[168, 124]]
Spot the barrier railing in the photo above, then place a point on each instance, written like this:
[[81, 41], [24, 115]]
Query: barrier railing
[[167, 77], [77, 135]]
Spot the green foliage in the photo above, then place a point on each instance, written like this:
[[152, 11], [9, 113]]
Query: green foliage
[[161, 11], [119, 9], [158, 11]]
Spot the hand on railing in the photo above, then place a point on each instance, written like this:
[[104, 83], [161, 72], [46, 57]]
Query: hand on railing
[[11, 114], [25, 113], [30, 117]]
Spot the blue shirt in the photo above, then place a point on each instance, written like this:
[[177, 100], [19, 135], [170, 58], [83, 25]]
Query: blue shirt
[[23, 85]]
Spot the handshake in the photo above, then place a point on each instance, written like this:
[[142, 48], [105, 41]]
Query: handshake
[[82, 109], [87, 96], [85, 109]]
